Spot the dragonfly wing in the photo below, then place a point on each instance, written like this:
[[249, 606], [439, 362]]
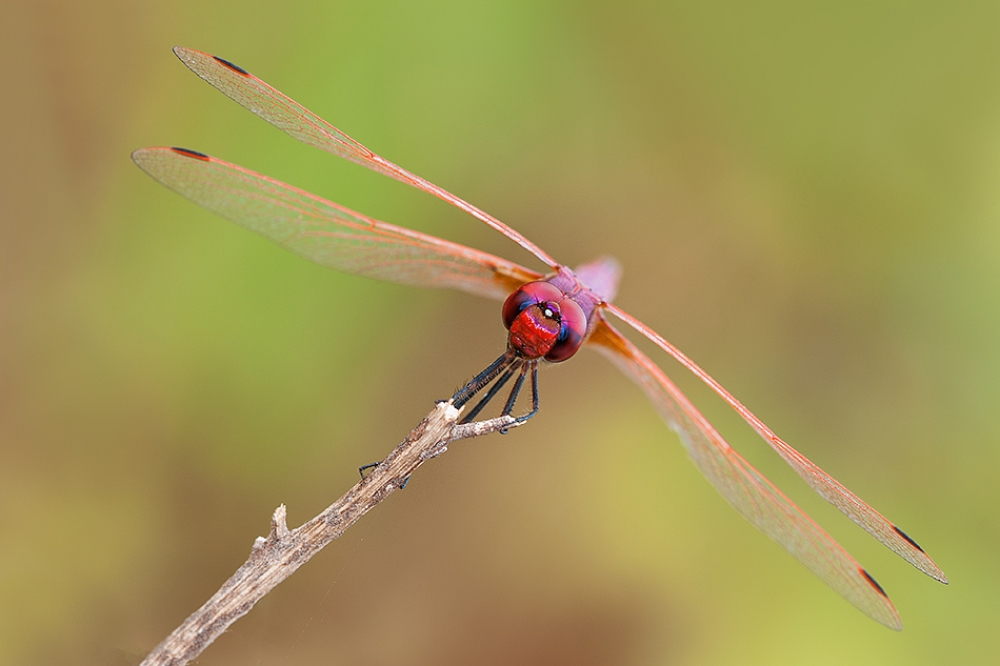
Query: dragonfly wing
[[294, 119], [601, 276], [328, 233], [829, 488], [746, 489]]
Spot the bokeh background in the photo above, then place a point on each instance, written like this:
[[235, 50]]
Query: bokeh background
[[806, 200]]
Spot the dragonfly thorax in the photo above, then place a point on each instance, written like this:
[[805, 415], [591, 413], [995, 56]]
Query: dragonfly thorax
[[543, 322]]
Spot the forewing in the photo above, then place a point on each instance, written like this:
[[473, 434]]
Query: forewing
[[746, 489], [328, 233], [829, 488], [294, 119]]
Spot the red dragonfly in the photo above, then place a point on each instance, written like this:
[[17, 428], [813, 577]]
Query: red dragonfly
[[549, 317]]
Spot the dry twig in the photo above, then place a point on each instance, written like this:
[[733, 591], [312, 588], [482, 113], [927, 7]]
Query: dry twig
[[276, 557]]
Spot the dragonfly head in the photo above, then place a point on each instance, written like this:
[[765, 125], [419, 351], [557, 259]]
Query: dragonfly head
[[543, 322]]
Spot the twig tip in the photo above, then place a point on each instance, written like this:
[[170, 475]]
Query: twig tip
[[451, 412], [279, 525]]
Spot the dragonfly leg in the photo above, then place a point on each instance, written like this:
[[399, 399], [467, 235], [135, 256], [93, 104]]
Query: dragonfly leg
[[489, 396], [514, 392], [534, 396], [501, 370], [365, 468], [480, 381]]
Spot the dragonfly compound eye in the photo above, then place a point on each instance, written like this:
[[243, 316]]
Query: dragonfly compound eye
[[573, 326], [527, 295]]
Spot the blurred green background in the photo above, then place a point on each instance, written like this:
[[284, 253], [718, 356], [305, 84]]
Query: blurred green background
[[806, 200]]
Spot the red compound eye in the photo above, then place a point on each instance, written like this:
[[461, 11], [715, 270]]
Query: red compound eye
[[574, 325], [527, 295]]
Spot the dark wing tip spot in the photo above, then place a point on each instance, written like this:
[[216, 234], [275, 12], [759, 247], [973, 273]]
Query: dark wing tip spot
[[874, 583], [187, 152], [907, 537], [235, 68]]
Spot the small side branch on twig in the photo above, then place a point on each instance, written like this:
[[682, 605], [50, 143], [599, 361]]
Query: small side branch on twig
[[276, 557]]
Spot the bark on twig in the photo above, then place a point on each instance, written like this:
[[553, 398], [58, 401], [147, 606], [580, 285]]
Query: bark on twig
[[276, 557]]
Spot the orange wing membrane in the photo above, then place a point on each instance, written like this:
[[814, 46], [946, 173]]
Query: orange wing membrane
[[299, 122], [328, 233], [829, 488], [746, 489]]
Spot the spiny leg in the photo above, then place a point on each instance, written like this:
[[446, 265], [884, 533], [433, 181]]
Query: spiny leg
[[482, 380], [517, 388], [478, 382], [365, 468], [514, 392], [489, 396], [534, 395]]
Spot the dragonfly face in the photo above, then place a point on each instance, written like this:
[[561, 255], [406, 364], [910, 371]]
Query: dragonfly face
[[544, 322]]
